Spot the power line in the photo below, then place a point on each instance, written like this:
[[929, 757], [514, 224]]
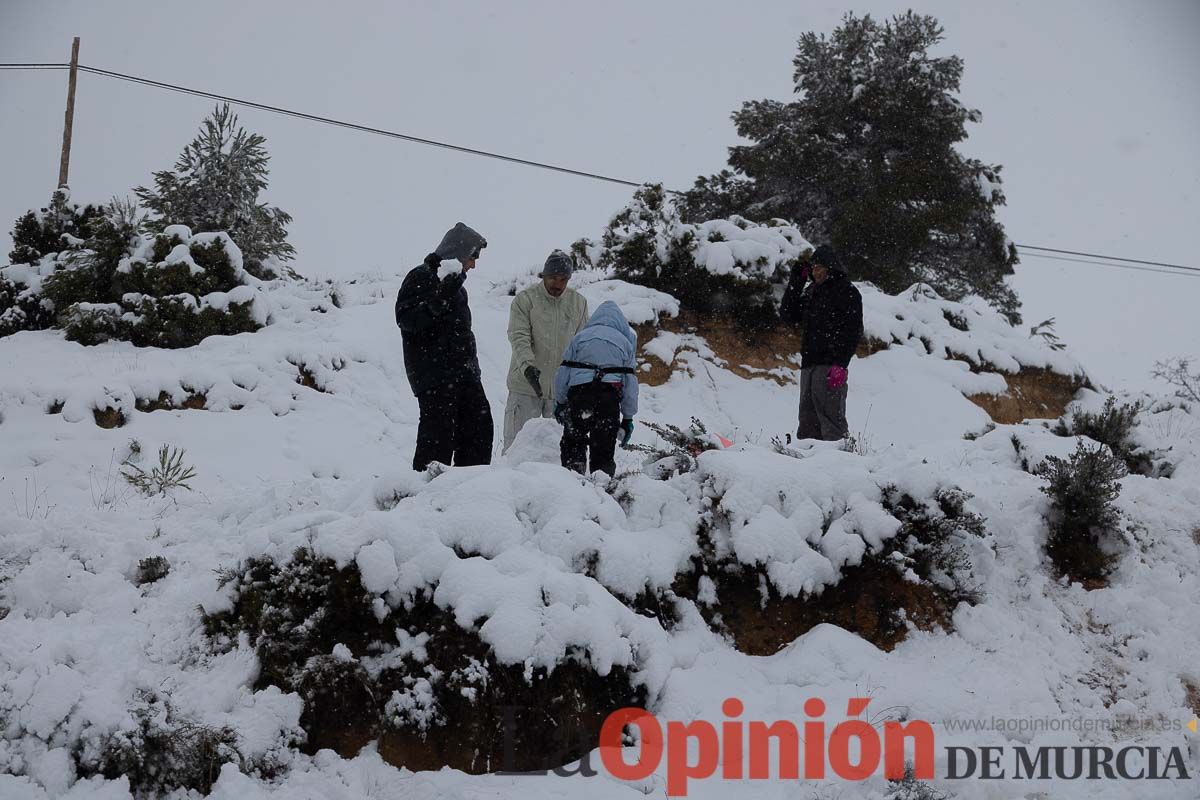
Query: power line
[[355, 126], [523, 161], [1112, 258], [1118, 266]]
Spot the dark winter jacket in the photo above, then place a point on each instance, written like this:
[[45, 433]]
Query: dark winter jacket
[[435, 326], [830, 317]]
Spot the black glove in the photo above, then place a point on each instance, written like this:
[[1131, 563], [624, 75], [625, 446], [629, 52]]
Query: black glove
[[560, 413], [534, 376]]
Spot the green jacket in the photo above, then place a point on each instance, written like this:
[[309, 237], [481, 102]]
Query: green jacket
[[539, 329]]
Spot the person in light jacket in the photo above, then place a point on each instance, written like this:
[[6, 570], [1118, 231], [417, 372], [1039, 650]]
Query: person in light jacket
[[597, 391], [541, 322]]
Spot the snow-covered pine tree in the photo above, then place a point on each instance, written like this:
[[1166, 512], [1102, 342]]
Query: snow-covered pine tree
[[865, 158], [726, 267], [215, 187], [38, 233]]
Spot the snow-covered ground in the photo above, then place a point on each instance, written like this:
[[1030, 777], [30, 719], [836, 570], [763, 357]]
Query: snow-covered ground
[[281, 464]]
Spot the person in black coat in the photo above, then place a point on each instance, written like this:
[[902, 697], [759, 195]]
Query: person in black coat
[[440, 359], [828, 310]]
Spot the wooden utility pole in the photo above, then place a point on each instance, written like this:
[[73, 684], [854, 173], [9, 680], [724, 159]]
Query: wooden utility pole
[[65, 164]]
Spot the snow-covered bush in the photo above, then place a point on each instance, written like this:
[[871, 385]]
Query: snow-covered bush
[[37, 234], [677, 449], [790, 543], [728, 266], [21, 309], [38, 237], [912, 788], [933, 539], [1084, 522], [1114, 425], [215, 187], [431, 690], [161, 752], [171, 289]]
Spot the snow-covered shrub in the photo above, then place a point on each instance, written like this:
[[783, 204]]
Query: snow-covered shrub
[[1084, 521], [933, 539], [789, 543], [215, 187], [912, 788], [431, 690], [37, 234], [677, 451], [21, 309], [172, 289], [1113, 425], [728, 266], [42, 240], [161, 752], [84, 272]]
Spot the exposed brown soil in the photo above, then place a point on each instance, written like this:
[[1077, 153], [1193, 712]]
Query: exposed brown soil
[[305, 378], [340, 710], [867, 601], [194, 401], [108, 417], [748, 353], [552, 721], [1033, 393]]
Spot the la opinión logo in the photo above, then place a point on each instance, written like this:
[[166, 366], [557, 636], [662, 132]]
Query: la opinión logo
[[738, 749]]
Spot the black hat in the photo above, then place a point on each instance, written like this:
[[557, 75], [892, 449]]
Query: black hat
[[826, 257]]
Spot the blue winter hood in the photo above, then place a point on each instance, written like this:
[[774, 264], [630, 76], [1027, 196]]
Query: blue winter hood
[[609, 315]]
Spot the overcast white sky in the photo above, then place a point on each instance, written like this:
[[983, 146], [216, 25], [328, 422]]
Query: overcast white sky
[[1092, 108]]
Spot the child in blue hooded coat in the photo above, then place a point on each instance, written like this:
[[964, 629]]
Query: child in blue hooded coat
[[599, 387]]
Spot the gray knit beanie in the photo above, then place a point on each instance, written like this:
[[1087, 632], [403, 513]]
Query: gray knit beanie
[[557, 263]]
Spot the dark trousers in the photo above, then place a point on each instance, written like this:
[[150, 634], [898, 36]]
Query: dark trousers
[[822, 410], [455, 426], [593, 420]]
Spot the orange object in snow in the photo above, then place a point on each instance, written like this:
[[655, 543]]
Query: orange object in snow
[[724, 442]]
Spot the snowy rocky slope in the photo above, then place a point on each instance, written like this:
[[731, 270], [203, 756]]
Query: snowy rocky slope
[[300, 435]]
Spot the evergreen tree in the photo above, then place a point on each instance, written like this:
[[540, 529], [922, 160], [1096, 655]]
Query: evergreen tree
[[36, 234], [864, 158], [215, 186]]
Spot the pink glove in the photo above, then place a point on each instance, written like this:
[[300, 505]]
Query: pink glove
[[836, 378]]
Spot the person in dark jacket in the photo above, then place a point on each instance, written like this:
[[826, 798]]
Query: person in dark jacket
[[455, 426], [829, 313], [597, 391]]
